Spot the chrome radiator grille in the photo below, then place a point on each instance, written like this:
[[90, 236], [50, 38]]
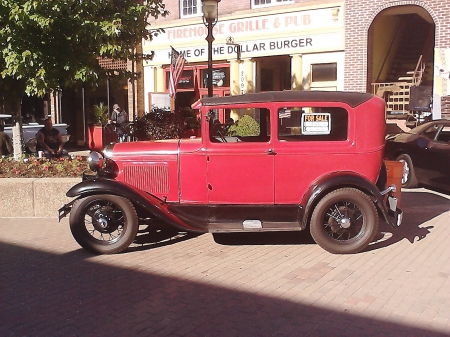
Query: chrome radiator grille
[[152, 178]]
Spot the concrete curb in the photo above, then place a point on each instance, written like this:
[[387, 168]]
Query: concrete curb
[[34, 197]]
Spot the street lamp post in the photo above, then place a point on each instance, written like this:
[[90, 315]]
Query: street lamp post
[[210, 13]]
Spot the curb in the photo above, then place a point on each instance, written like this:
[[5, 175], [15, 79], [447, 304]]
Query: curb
[[34, 197]]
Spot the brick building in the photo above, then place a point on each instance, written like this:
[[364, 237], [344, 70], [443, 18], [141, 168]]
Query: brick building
[[423, 29]]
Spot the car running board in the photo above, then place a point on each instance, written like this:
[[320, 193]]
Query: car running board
[[252, 226]]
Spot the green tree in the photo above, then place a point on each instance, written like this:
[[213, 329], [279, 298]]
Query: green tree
[[48, 45]]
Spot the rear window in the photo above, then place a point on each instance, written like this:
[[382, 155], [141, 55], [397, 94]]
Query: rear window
[[312, 124]]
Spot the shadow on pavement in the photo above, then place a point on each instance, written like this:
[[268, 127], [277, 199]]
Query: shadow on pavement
[[157, 234], [418, 208], [266, 238], [45, 294]]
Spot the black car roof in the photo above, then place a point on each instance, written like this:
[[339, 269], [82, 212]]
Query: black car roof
[[422, 127], [351, 98]]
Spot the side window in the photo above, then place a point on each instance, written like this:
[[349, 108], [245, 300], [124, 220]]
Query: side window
[[444, 135], [312, 124], [431, 132], [253, 125], [190, 8]]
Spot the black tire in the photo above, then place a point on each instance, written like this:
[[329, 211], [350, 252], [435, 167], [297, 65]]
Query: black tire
[[409, 179], [344, 221], [103, 224], [30, 146]]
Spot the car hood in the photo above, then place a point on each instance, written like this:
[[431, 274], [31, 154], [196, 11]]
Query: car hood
[[403, 137], [155, 147]]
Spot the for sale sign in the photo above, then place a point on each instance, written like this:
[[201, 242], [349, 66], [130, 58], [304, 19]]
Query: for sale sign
[[316, 123]]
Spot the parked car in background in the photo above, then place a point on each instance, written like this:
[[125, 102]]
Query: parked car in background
[[289, 161], [425, 153], [30, 130]]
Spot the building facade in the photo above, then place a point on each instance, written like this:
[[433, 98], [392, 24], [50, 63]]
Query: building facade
[[256, 48], [377, 30], [380, 46]]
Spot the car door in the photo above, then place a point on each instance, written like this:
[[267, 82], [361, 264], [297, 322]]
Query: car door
[[240, 160], [435, 159], [312, 141]]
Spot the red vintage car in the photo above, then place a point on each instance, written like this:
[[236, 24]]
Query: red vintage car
[[271, 161]]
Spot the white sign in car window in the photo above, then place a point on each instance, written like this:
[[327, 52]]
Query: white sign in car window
[[316, 123]]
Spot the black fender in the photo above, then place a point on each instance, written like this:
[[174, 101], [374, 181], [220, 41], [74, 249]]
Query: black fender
[[146, 201], [337, 180]]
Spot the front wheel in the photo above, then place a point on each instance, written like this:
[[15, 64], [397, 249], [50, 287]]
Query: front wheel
[[103, 224], [345, 221]]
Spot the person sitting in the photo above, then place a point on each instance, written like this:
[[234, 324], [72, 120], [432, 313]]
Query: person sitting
[[6, 148], [49, 140], [119, 118]]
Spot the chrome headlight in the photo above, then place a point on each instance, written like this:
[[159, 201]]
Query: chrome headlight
[[95, 161], [108, 151]]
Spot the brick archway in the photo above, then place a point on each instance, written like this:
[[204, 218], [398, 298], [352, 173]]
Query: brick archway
[[357, 41]]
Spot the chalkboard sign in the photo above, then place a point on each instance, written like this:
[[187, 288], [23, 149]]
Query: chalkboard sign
[[159, 100]]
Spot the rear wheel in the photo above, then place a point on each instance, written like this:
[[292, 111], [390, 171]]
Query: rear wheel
[[409, 179], [104, 224], [345, 221]]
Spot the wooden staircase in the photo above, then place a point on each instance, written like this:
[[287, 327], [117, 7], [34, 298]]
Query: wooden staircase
[[409, 66], [396, 93]]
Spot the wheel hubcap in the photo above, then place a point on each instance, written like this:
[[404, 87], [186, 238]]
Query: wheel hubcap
[[102, 222], [405, 171], [106, 221], [344, 221]]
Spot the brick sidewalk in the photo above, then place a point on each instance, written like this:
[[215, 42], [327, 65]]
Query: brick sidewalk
[[277, 284]]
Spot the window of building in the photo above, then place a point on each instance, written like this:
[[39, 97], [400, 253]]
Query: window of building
[[186, 80], [262, 3], [220, 77], [324, 72], [190, 8], [312, 124]]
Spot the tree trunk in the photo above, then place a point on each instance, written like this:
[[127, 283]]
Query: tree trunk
[[17, 138]]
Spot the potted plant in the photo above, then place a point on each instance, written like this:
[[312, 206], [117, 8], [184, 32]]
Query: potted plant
[[101, 113], [98, 135], [245, 126]]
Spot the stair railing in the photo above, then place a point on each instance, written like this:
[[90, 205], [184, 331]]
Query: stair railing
[[418, 72]]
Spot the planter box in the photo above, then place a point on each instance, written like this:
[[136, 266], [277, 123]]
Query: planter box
[[99, 136], [32, 197]]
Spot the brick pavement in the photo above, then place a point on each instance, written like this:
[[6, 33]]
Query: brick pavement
[[277, 284]]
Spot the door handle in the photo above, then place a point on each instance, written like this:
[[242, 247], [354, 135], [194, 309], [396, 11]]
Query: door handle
[[271, 152]]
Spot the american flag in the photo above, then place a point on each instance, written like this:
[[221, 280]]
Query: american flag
[[177, 62]]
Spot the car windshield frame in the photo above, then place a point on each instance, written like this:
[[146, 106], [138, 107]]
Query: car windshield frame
[[418, 130]]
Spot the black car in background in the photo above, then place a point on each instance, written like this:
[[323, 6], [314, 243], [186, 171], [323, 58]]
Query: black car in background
[[425, 152]]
